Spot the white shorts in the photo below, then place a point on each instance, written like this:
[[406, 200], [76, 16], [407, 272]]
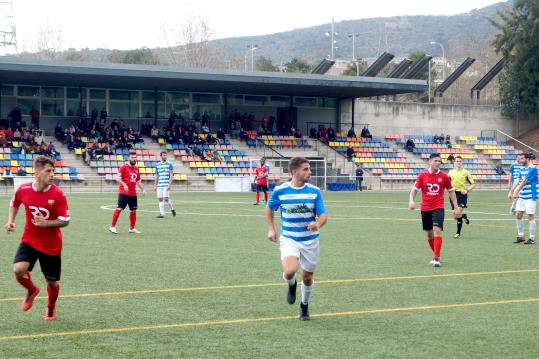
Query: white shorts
[[526, 205], [162, 192], [307, 252]]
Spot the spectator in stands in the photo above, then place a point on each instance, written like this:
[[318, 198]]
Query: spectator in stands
[[216, 157], [451, 158], [197, 151], [331, 134], [17, 135], [171, 118], [365, 133], [189, 150], [313, 133], [154, 133], [271, 123], [448, 141], [264, 123], [148, 115], [205, 119], [298, 134], [3, 141], [359, 178], [250, 121], [39, 137], [351, 132], [243, 135], [220, 134], [410, 145], [324, 134], [7, 175], [204, 128], [21, 171], [210, 139], [208, 155], [499, 169], [16, 115], [103, 114], [34, 115], [349, 153], [94, 114], [437, 139]]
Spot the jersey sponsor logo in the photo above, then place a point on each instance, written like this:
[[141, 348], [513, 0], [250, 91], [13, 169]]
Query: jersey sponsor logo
[[433, 188], [50, 202], [133, 177], [299, 209], [39, 211]]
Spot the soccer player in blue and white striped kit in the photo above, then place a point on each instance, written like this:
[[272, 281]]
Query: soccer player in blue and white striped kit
[[302, 215], [514, 176], [163, 181], [526, 192]]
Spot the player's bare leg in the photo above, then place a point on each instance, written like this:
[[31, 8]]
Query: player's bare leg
[[22, 275], [290, 267]]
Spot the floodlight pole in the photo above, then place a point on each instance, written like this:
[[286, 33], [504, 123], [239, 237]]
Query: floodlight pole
[[429, 81], [353, 36], [443, 56]]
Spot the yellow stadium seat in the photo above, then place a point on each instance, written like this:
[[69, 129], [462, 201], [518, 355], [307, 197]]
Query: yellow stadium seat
[[209, 177], [161, 141], [78, 151]]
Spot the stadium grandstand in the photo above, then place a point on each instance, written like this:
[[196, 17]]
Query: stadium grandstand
[[217, 124]]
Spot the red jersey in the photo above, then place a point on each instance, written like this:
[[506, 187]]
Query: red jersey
[[432, 189], [262, 176], [52, 204], [129, 175]]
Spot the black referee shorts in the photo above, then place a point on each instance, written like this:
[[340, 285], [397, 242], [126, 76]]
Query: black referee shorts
[[51, 266], [462, 200], [433, 219], [125, 200]]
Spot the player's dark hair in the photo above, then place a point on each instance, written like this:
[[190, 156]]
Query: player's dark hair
[[529, 156], [165, 152], [296, 163], [434, 155], [458, 157], [132, 152], [41, 161]]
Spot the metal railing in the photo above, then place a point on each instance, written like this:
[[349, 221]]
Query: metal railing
[[500, 134]]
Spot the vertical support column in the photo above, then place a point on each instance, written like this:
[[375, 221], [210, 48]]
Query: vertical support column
[[226, 111], [353, 112], [155, 109]]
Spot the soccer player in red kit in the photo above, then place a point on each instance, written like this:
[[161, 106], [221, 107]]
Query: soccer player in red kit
[[128, 178], [432, 182], [46, 212], [261, 180]]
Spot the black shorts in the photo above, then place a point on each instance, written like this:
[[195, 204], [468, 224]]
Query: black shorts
[[126, 200], [462, 200], [432, 219], [51, 266], [261, 187]]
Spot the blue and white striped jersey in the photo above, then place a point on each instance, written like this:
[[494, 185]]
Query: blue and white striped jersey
[[299, 207], [162, 170], [514, 170], [529, 191]]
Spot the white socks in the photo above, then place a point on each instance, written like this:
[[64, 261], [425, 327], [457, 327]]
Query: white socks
[[532, 229], [162, 208], [306, 292], [520, 227], [170, 204]]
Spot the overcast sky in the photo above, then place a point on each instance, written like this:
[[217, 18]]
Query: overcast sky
[[134, 24]]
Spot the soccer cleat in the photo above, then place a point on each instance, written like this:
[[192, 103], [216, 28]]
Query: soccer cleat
[[456, 236], [255, 204], [466, 220], [291, 293], [160, 216], [436, 263], [50, 313], [134, 231], [29, 300], [113, 230], [530, 241], [173, 212], [304, 312], [519, 240]]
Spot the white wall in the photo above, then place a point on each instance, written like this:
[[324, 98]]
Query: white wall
[[418, 118]]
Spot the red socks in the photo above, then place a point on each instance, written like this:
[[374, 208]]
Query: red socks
[[53, 295], [257, 197], [431, 244], [27, 283], [132, 219], [437, 246], [115, 216]]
